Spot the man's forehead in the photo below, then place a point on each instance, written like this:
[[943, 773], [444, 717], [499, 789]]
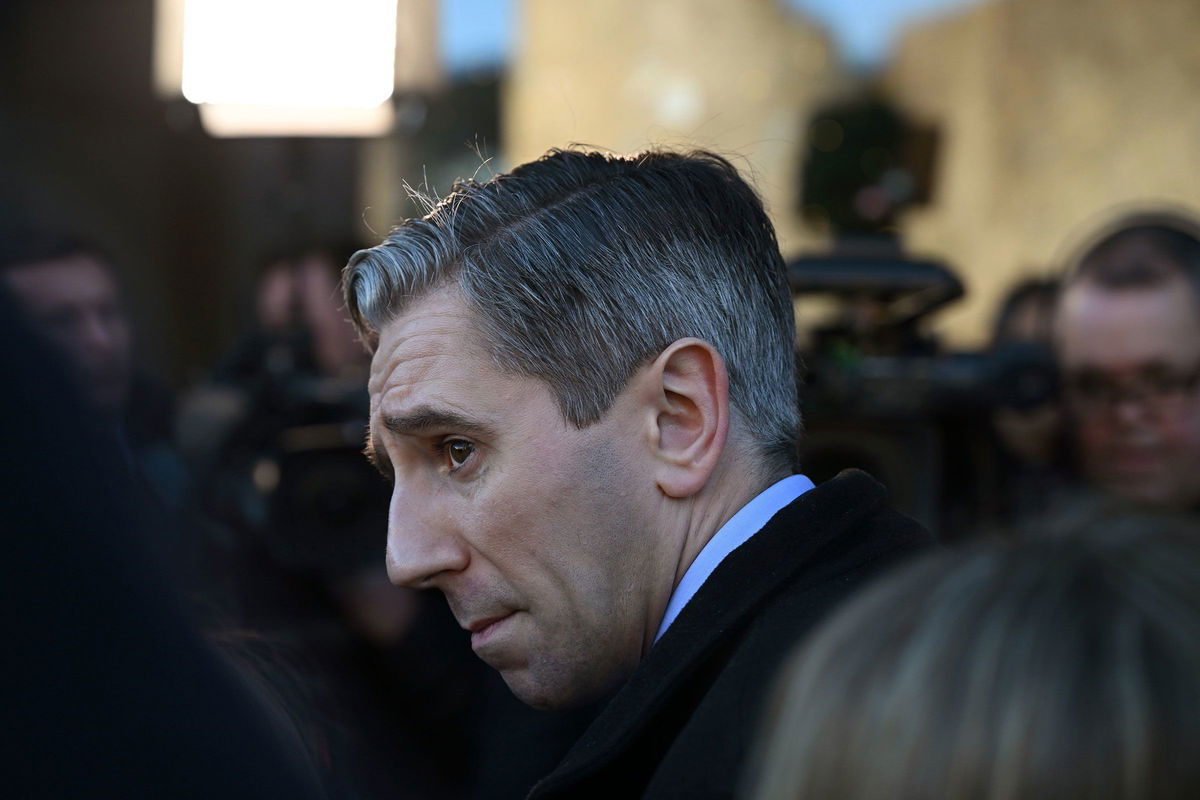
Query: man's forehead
[[435, 334], [1129, 327]]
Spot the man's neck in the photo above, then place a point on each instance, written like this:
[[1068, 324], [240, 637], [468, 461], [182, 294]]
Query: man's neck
[[695, 520]]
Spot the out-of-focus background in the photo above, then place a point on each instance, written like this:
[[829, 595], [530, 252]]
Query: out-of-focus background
[[921, 159], [1034, 120], [940, 151]]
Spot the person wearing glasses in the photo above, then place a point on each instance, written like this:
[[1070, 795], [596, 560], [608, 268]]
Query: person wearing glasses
[[1127, 338]]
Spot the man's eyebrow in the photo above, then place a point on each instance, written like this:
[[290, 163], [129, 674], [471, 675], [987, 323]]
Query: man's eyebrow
[[426, 420], [377, 458]]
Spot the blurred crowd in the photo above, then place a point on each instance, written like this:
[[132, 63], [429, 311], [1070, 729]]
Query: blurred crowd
[[257, 502], [1054, 652]]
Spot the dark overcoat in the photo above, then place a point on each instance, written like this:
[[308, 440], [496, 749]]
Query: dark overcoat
[[685, 722]]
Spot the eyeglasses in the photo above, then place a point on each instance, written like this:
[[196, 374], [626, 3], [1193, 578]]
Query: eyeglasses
[[1161, 392]]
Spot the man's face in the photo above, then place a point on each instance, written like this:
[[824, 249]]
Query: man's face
[[538, 533], [1130, 359], [73, 301]]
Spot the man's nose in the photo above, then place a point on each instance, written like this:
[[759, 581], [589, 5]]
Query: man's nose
[[422, 546]]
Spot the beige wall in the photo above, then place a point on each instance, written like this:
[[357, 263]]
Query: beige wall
[[1054, 115], [740, 77]]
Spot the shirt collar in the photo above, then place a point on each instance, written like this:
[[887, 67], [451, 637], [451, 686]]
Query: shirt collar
[[749, 520]]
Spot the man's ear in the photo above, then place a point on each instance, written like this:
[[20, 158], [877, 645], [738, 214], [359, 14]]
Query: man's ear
[[690, 415]]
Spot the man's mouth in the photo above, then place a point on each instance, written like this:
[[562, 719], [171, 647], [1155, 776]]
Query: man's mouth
[[483, 630]]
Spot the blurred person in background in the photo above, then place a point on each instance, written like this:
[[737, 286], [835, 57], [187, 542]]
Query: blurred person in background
[[299, 325], [583, 391], [1066, 666], [1127, 336], [271, 430], [69, 292], [1035, 456], [368, 673], [1031, 434]]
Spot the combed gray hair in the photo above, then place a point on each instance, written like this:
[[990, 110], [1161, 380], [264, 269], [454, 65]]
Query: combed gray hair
[[581, 267], [1060, 667]]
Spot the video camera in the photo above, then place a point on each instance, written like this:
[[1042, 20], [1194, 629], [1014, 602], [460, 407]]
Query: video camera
[[879, 393], [284, 465]]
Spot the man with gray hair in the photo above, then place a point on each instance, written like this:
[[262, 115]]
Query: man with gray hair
[[583, 389]]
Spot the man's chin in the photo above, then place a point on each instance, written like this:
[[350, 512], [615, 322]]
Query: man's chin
[[534, 695], [554, 695]]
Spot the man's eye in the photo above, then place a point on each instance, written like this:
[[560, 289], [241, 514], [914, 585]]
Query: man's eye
[[458, 451]]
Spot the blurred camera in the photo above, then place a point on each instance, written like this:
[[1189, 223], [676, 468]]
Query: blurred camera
[[879, 393]]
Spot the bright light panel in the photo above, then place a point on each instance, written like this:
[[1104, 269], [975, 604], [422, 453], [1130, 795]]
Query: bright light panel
[[289, 53], [244, 120]]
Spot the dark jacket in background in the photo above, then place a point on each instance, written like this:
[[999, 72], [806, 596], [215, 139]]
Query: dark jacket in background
[[683, 726]]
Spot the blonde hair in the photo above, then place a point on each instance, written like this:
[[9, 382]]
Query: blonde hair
[[1066, 667]]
